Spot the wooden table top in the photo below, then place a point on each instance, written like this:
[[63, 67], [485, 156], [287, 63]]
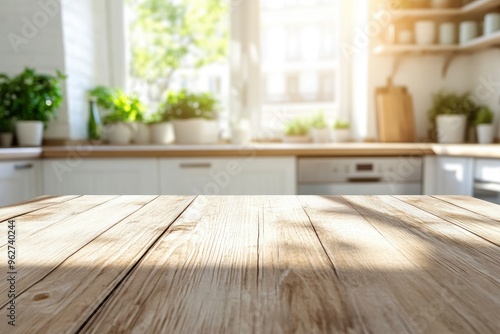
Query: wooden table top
[[140, 264]]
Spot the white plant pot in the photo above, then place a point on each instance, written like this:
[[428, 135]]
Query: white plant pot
[[6, 139], [341, 135], [320, 136], [162, 133], [485, 133], [296, 139], [119, 133], [141, 135], [29, 133], [451, 128], [196, 132]]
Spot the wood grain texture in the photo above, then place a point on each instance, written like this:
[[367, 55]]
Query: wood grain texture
[[478, 206], [46, 249], [201, 277], [480, 225], [269, 264], [457, 277], [13, 211], [54, 304], [35, 221]]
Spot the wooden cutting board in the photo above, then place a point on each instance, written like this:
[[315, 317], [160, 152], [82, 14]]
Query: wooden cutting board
[[395, 115]]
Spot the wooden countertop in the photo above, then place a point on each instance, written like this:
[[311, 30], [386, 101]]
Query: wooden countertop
[[253, 265], [261, 150]]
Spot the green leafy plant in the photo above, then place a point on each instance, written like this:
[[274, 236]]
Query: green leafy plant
[[121, 107], [299, 126], [6, 118], [34, 96], [341, 125], [319, 121], [484, 116], [185, 105], [452, 104]]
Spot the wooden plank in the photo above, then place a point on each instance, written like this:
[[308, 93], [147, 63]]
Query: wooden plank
[[95, 270], [218, 270], [13, 211], [457, 272], [299, 291], [480, 225], [478, 206], [200, 277], [387, 290], [33, 222], [45, 250]]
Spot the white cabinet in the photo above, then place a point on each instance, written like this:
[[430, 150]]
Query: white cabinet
[[449, 176], [19, 181], [228, 176], [101, 177]]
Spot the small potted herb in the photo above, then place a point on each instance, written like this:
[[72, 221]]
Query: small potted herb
[[341, 132], [34, 100], [484, 124], [319, 129], [124, 116], [297, 131], [451, 113], [162, 130], [194, 117], [6, 121]]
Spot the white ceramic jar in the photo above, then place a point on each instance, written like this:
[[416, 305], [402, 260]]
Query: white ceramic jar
[[468, 31], [491, 23], [447, 34], [425, 32]]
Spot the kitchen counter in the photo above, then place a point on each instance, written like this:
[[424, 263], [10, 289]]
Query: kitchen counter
[[258, 150], [20, 153], [264, 264]]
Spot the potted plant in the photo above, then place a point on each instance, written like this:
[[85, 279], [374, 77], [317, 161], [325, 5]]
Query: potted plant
[[451, 113], [194, 117], [6, 122], [162, 130], [297, 131], [319, 129], [124, 116], [35, 99], [484, 124], [341, 132]]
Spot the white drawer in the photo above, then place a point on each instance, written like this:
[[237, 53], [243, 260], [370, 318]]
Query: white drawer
[[487, 170]]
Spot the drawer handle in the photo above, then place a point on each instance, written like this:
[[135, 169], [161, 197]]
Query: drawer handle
[[365, 180], [23, 167], [196, 166]]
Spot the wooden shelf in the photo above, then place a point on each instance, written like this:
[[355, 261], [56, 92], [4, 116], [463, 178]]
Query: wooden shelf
[[477, 44], [481, 43], [394, 50], [475, 7], [478, 6]]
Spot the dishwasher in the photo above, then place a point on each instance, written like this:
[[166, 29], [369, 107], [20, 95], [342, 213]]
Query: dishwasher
[[487, 180], [360, 176]]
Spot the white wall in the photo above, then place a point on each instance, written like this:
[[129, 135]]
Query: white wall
[[422, 75], [68, 35], [31, 36]]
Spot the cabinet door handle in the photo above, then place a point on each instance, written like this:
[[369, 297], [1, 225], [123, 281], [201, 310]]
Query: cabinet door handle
[[196, 166], [23, 167]]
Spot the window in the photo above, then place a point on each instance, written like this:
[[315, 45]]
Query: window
[[300, 63], [289, 66], [178, 44]]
